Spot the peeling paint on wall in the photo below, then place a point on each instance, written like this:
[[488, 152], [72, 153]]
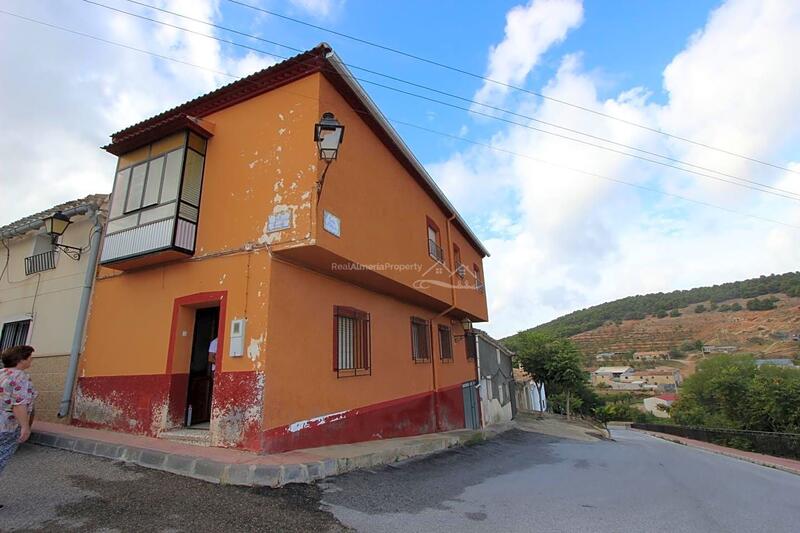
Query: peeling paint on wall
[[254, 349], [317, 421]]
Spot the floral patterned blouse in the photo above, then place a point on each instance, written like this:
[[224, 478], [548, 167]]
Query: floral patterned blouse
[[15, 389]]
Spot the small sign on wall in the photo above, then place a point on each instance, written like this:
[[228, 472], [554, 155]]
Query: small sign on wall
[[237, 337], [331, 223], [279, 221]]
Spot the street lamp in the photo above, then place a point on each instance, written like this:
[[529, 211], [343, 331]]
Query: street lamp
[[55, 225], [328, 134], [466, 325]]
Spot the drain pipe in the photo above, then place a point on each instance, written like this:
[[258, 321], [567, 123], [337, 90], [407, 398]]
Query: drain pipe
[[83, 311]]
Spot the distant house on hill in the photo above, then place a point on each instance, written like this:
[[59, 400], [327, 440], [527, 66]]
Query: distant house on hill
[[654, 404], [607, 374], [605, 356], [649, 356], [709, 348], [664, 379], [788, 363]]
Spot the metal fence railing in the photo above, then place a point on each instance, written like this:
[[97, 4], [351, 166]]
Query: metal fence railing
[[766, 442]]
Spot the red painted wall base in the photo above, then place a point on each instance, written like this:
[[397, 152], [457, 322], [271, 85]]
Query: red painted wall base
[[403, 417], [146, 405]]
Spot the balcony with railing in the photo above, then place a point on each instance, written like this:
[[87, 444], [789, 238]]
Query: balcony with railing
[[40, 262], [156, 202]]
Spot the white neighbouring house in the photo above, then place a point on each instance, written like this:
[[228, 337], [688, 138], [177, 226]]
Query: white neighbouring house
[[659, 405], [607, 374], [41, 291]]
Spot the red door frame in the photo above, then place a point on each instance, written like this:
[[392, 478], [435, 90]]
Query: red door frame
[[178, 381], [198, 301]]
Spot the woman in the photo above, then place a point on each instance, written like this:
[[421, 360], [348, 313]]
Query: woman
[[16, 401]]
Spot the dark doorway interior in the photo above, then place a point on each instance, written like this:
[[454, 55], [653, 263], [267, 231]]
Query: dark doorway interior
[[201, 376]]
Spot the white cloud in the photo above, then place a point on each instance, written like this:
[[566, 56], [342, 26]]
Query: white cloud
[[69, 93], [319, 8], [574, 240], [530, 31]]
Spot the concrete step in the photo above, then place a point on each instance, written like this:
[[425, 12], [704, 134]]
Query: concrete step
[[197, 437]]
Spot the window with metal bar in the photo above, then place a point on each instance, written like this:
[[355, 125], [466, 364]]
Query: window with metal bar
[[445, 344], [434, 250], [14, 334], [351, 342], [420, 340]]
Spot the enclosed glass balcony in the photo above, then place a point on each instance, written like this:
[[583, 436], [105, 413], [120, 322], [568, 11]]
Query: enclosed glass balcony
[[156, 203]]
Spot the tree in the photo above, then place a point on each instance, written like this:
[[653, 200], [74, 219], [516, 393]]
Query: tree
[[661, 313], [565, 372], [761, 304], [533, 351], [556, 364], [674, 313], [700, 309]]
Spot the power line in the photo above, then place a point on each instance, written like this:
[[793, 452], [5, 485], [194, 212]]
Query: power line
[[758, 186], [510, 86], [428, 88], [464, 139]]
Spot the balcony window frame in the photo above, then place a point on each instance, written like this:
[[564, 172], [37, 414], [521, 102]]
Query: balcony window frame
[[434, 245], [460, 269], [186, 141], [476, 271]]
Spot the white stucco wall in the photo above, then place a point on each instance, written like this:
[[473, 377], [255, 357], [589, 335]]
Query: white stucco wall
[[51, 297]]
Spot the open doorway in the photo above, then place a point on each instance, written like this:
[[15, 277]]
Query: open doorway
[[201, 369]]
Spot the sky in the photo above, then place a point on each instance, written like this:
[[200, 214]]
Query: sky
[[568, 224]]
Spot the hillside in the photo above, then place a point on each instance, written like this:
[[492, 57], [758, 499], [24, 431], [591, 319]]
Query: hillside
[[767, 333], [640, 307]]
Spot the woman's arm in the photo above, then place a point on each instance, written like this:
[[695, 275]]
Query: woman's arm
[[21, 414]]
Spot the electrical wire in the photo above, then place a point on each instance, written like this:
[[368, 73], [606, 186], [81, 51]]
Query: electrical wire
[[464, 139], [758, 185], [510, 86]]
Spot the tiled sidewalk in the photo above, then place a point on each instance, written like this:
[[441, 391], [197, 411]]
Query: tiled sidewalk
[[781, 463], [222, 465]]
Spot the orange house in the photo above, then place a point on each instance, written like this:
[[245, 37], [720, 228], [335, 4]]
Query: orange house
[[337, 291]]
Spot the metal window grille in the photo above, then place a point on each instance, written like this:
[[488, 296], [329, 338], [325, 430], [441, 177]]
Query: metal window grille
[[420, 340], [445, 344], [435, 250], [351, 342], [469, 340], [461, 270], [40, 262], [14, 334]]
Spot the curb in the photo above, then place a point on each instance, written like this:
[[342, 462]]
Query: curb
[[726, 453], [254, 475]]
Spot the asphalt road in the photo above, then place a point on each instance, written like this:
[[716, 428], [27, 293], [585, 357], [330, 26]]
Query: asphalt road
[[517, 482], [43, 489], [534, 483]]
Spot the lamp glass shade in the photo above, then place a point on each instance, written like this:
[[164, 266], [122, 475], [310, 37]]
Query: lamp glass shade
[[466, 323], [328, 134], [56, 224]]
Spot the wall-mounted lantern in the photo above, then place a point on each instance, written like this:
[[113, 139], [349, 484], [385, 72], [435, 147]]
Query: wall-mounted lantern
[[466, 325], [328, 134], [55, 225]]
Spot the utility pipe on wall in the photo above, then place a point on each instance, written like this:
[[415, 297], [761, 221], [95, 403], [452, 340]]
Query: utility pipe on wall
[[83, 310]]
